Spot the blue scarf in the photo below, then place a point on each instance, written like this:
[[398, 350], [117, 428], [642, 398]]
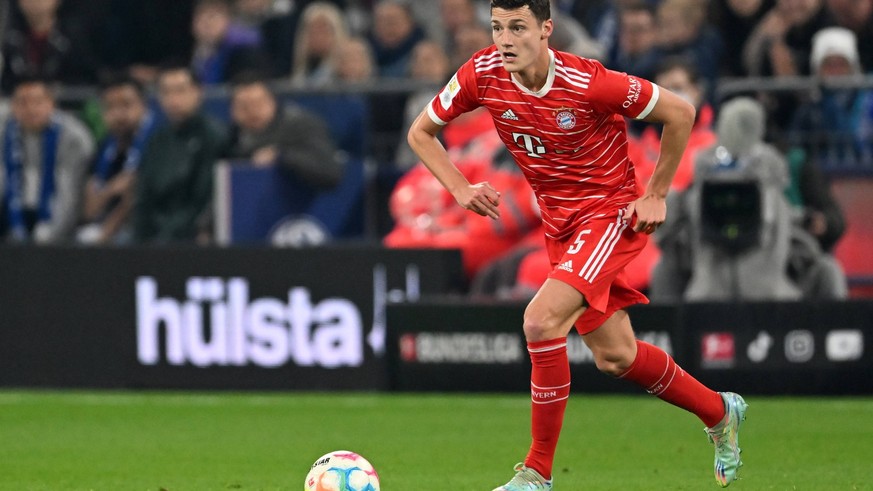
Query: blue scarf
[[13, 157], [134, 153], [211, 69]]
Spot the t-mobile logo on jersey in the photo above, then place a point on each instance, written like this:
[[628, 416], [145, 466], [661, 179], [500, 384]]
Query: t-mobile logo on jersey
[[532, 144]]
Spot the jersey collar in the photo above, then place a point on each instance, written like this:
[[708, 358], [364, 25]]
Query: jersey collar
[[550, 79]]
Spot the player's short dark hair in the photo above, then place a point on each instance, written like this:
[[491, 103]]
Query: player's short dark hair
[[119, 80], [540, 8]]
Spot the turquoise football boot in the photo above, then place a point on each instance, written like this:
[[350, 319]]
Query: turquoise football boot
[[526, 479], [725, 436]]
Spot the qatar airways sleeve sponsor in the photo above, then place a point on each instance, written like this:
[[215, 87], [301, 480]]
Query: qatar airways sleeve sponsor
[[653, 99], [624, 94]]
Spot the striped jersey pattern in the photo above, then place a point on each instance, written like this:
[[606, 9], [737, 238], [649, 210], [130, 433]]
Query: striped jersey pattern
[[569, 138]]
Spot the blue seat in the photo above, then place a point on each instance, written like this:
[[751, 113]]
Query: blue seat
[[256, 205], [345, 116]]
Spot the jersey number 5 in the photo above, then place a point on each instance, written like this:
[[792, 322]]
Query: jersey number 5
[[578, 243]]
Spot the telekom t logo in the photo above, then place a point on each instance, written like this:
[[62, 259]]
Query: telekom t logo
[[532, 144]]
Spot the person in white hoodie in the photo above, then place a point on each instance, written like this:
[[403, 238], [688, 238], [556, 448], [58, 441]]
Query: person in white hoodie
[[835, 127]]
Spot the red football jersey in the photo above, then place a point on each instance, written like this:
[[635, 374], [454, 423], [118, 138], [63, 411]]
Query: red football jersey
[[569, 138]]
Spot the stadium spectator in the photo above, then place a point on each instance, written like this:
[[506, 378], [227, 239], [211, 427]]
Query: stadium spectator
[[856, 15], [455, 15], [780, 46], [736, 19], [354, 63], [174, 182], [320, 36], [599, 18], [223, 48], [353, 66], [733, 232], [45, 155], [810, 190], [820, 223], [468, 40], [683, 30], [275, 21], [430, 64], [636, 52], [836, 127], [562, 119], [571, 36], [40, 43], [265, 134], [393, 36], [110, 190], [735, 247], [395, 32], [781, 42]]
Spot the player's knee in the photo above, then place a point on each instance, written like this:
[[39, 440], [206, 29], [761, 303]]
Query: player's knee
[[613, 362], [539, 328]]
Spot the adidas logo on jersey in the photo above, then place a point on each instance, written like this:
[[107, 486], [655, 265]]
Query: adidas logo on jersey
[[508, 114], [567, 266]]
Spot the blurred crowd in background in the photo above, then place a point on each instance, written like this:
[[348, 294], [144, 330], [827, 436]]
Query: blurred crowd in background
[[107, 137]]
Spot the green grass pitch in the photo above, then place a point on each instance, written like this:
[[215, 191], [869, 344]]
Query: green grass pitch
[[180, 441]]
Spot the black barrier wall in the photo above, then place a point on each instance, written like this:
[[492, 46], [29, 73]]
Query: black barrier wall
[[766, 348], [364, 318], [237, 318]]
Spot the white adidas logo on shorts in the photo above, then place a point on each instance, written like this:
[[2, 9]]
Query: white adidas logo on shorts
[[567, 266]]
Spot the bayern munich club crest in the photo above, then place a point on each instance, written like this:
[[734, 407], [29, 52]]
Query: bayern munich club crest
[[565, 118]]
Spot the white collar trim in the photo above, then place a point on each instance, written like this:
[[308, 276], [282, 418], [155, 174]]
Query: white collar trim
[[550, 79]]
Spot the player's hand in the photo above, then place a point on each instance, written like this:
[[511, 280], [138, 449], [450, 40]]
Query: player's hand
[[480, 198], [651, 212]]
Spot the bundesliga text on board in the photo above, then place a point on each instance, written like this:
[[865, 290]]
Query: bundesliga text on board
[[496, 348]]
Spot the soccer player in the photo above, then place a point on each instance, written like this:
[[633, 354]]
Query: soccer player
[[561, 116]]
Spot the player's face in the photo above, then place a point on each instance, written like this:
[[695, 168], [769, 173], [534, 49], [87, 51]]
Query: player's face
[[520, 39]]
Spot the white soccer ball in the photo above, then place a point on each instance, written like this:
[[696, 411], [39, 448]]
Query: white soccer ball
[[341, 470]]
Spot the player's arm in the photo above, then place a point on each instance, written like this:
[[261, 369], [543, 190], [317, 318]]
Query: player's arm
[[480, 198], [677, 117]]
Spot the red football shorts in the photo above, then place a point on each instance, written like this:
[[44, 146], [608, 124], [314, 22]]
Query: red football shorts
[[593, 261]]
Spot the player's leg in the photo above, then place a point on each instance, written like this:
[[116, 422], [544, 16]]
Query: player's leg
[[618, 353], [547, 320]]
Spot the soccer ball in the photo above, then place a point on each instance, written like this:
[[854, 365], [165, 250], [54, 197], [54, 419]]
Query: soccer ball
[[341, 471]]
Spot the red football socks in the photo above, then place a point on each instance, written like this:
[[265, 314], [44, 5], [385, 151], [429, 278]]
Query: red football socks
[[654, 370], [549, 389]]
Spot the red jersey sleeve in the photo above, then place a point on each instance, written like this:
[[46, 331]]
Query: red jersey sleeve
[[618, 92], [460, 95]]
